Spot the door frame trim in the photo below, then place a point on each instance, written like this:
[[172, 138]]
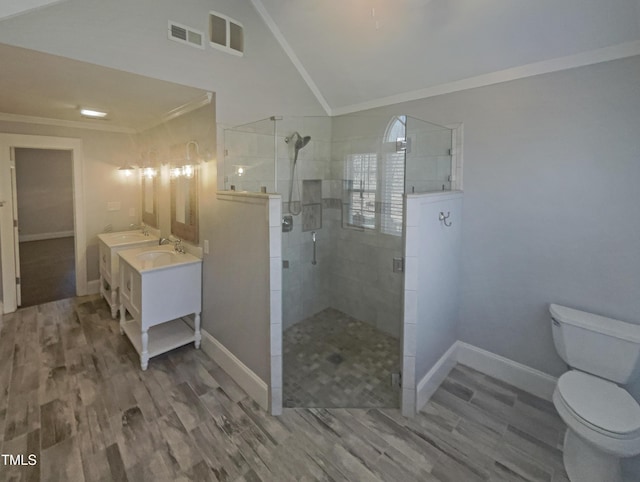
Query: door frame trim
[[7, 141]]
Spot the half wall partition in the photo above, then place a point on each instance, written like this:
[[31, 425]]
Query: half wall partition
[[343, 182]]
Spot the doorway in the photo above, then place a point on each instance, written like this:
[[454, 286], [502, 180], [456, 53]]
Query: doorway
[[9, 234], [44, 194]]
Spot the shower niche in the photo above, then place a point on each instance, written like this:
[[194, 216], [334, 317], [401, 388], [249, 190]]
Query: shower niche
[[342, 182]]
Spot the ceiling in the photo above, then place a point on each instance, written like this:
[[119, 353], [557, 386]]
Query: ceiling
[[353, 55], [49, 87], [363, 53]]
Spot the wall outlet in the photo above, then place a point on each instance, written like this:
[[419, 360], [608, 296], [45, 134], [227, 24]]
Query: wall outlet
[[206, 246], [113, 206]]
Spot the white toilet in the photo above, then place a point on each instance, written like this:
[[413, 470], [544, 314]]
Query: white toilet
[[603, 419]]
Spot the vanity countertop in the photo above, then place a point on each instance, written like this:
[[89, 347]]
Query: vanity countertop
[[153, 258], [126, 238]]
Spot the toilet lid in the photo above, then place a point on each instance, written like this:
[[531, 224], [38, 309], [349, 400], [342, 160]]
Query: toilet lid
[[600, 402]]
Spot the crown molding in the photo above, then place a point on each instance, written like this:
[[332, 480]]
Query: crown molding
[[262, 11], [15, 8], [200, 101], [620, 51], [98, 125]]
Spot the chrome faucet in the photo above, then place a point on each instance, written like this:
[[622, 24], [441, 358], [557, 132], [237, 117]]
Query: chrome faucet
[[143, 227], [177, 246]]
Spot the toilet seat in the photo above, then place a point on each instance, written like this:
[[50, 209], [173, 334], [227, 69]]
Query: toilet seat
[[601, 404], [615, 429]]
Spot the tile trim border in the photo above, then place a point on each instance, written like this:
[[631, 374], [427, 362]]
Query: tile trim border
[[241, 374], [520, 376]]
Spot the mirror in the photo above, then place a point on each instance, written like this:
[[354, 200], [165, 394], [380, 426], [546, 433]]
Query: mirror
[[150, 201], [184, 207]]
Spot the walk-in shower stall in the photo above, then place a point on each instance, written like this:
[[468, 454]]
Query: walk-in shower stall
[[343, 182]]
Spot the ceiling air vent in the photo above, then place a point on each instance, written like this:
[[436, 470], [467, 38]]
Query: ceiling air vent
[[186, 35], [226, 34]]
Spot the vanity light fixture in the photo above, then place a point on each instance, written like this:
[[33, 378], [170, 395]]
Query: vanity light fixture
[[94, 114], [126, 170], [149, 170], [188, 170], [175, 172]]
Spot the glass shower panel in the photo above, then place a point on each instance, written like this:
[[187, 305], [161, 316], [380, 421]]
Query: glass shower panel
[[428, 157], [249, 157], [342, 315]]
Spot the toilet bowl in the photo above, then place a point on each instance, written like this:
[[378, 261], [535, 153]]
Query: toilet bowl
[[603, 419], [603, 423]]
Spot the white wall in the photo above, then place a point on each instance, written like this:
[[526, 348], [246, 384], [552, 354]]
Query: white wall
[[132, 36], [104, 152], [431, 290], [44, 179]]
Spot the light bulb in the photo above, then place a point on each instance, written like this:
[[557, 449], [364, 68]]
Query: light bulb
[[187, 170]]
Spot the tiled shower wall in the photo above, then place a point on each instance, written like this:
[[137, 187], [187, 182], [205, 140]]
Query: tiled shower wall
[[354, 270], [305, 287]]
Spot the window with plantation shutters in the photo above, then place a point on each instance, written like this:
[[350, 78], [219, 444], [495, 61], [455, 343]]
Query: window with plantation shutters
[[374, 184], [361, 184], [392, 191]]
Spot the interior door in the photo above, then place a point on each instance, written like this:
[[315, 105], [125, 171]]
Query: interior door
[[16, 235]]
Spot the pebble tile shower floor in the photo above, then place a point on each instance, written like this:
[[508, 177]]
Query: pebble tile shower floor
[[72, 393], [331, 360]]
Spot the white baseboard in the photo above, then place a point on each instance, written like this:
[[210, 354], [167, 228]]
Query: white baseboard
[[514, 373], [243, 376], [432, 380], [39, 237], [520, 376], [93, 287]]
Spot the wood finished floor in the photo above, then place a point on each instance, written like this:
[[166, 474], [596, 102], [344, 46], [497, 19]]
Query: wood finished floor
[[47, 270], [73, 394]]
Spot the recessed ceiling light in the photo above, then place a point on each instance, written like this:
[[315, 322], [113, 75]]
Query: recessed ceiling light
[[93, 113]]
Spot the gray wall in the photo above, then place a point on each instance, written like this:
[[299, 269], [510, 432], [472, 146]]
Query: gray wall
[[44, 178], [236, 280], [551, 174], [551, 181]]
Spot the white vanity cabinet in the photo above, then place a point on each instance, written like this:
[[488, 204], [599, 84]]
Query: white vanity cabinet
[[158, 287], [109, 244]]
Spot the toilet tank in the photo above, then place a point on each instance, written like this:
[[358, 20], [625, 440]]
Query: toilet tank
[[595, 344]]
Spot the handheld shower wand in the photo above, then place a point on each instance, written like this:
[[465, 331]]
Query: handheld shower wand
[[299, 143]]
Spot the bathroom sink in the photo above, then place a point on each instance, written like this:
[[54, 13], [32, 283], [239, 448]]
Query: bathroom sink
[[118, 239], [157, 257]]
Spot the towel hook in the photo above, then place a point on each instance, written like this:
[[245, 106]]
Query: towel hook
[[443, 217]]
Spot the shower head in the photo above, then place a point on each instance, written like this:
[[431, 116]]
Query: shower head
[[300, 142]]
